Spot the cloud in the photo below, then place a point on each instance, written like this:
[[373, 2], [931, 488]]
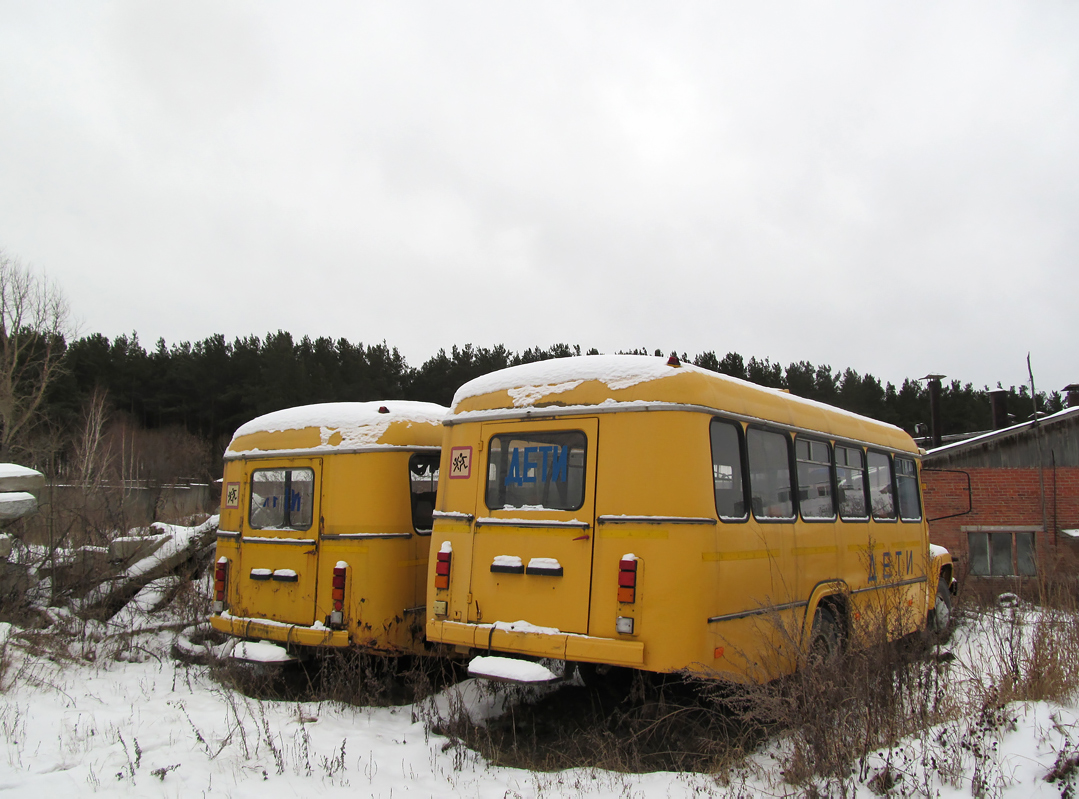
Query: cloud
[[892, 189]]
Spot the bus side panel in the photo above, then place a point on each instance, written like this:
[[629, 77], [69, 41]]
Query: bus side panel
[[231, 489], [886, 568], [229, 548], [230, 521], [755, 648], [368, 493], [816, 556], [459, 489], [657, 465], [906, 566]]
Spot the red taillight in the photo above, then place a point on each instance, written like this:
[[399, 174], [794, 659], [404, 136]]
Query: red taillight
[[442, 570], [221, 579], [627, 580], [339, 575]]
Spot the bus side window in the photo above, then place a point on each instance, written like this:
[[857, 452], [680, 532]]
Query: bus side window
[[727, 471], [814, 479], [851, 484], [423, 479], [906, 480], [770, 474], [881, 492]]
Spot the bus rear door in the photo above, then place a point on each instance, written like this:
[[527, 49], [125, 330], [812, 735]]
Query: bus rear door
[[534, 534], [279, 547]]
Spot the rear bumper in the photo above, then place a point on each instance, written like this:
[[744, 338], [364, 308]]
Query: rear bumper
[[277, 631], [561, 646]]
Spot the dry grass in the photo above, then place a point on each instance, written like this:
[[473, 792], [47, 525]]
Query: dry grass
[[628, 721], [348, 676], [821, 725]]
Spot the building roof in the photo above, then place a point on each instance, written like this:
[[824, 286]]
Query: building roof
[[1006, 434]]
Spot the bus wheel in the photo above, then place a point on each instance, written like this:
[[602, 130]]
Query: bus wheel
[[824, 638], [940, 617]]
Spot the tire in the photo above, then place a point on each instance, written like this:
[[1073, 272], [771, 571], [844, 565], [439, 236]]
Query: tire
[[824, 638], [940, 617]]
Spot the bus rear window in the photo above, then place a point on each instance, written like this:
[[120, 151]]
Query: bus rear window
[[282, 499], [536, 470]]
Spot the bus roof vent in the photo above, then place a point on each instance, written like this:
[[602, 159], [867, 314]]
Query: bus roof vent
[[383, 409], [673, 360]]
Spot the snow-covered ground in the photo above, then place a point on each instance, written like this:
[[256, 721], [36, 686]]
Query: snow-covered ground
[[161, 728], [123, 717], [147, 725]]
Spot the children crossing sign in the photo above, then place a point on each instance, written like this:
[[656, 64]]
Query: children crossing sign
[[460, 463]]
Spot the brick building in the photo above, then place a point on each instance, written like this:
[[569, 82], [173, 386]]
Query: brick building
[[1024, 498]]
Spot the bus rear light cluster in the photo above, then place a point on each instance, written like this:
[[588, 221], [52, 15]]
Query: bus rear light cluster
[[340, 574], [221, 579], [627, 579], [442, 566]]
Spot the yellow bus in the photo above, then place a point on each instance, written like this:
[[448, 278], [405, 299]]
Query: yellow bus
[[641, 512], [326, 516]]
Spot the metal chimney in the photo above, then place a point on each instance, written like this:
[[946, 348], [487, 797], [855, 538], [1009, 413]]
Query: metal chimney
[[998, 402], [934, 407], [1072, 395]]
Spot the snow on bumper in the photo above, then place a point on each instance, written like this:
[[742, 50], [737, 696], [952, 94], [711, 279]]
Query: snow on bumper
[[278, 631], [560, 646]]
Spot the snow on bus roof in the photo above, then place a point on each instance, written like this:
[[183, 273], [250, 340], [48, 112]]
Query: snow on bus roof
[[528, 383], [345, 415]]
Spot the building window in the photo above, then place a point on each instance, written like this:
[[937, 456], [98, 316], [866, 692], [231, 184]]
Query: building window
[[1002, 554]]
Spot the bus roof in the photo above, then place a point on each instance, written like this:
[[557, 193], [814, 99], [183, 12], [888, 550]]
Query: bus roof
[[340, 426], [619, 382]]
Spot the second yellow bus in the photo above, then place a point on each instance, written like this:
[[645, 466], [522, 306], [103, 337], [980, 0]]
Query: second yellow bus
[[326, 516]]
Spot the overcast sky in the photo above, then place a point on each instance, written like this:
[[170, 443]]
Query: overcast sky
[[890, 187]]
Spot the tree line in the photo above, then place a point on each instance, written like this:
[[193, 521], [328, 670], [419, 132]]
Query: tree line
[[209, 388]]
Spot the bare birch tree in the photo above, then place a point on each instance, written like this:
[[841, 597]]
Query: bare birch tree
[[34, 320]]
